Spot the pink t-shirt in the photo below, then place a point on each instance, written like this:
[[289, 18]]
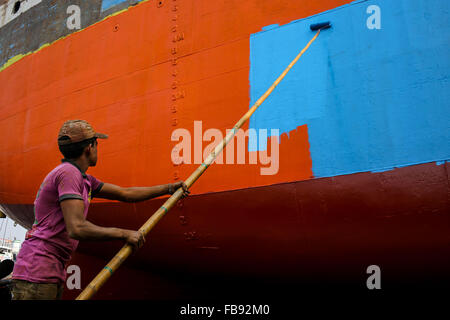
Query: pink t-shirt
[[47, 248]]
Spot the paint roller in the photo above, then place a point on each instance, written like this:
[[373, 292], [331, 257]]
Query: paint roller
[[320, 26]]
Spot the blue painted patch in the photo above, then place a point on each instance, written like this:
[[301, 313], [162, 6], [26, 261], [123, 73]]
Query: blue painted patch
[[382, 170], [272, 26], [372, 99], [106, 4]]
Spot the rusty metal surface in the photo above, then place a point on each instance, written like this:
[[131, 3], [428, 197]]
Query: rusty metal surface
[[47, 22]]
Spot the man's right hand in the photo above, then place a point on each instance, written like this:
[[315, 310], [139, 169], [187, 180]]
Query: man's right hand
[[134, 238]]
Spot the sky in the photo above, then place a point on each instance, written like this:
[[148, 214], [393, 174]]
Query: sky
[[9, 231]]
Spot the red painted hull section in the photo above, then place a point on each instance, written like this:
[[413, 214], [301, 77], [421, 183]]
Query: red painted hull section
[[322, 230]]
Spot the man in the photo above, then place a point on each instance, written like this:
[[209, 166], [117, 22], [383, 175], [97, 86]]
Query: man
[[60, 210]]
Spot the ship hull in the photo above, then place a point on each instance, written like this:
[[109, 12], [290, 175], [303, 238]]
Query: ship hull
[[362, 172]]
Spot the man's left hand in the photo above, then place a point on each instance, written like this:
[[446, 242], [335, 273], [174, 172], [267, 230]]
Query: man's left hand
[[174, 187]]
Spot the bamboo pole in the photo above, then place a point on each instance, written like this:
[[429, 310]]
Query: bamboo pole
[[126, 250]]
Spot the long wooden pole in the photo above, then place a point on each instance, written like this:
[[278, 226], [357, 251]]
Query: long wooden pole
[[126, 250]]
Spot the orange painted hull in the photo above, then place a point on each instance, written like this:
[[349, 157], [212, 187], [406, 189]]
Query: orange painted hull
[[123, 83]]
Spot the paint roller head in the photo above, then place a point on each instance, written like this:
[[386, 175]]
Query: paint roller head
[[322, 25]]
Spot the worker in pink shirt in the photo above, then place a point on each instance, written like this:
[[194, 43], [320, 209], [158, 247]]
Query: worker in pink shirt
[[60, 209]]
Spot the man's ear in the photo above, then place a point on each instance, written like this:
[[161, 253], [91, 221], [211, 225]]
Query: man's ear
[[87, 150]]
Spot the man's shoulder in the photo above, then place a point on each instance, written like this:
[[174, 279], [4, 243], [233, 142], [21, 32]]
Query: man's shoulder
[[64, 169], [93, 179]]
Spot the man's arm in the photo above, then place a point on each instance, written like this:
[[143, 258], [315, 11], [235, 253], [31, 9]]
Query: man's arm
[[81, 229], [136, 194]]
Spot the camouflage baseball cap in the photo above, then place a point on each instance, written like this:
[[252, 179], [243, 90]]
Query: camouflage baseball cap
[[73, 131]]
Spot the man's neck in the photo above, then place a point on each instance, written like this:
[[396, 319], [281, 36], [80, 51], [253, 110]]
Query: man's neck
[[81, 163]]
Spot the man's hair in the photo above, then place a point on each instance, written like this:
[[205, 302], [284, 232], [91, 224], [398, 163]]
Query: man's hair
[[74, 150]]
